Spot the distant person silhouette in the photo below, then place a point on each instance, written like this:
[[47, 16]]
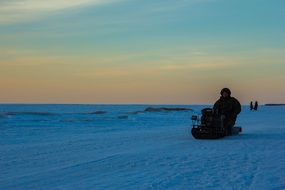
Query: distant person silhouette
[[251, 106], [255, 106], [227, 108]]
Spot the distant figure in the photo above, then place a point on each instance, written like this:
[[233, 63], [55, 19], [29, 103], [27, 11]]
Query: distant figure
[[251, 106], [255, 106], [227, 108]]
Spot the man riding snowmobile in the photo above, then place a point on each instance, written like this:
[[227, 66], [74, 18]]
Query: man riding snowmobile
[[227, 108]]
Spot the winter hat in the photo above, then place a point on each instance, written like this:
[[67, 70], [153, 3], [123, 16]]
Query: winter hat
[[228, 91]]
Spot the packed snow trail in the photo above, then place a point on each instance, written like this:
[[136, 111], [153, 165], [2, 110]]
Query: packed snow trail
[[144, 151]]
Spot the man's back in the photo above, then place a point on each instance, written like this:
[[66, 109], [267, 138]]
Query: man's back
[[227, 106]]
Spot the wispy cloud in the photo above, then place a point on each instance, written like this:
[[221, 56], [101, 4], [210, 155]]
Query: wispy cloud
[[168, 6], [200, 66], [12, 11]]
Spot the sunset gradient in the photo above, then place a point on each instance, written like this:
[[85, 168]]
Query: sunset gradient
[[141, 51]]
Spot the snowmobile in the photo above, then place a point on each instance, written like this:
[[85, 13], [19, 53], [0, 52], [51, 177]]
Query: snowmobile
[[210, 126]]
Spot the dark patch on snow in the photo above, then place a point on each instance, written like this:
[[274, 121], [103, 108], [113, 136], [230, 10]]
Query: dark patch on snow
[[151, 109], [98, 113], [29, 113], [274, 104], [163, 109], [135, 112], [123, 117]]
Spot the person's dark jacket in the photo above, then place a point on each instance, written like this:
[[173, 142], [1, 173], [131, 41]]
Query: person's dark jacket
[[229, 107]]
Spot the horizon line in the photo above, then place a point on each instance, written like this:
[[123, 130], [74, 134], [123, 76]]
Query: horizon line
[[121, 104]]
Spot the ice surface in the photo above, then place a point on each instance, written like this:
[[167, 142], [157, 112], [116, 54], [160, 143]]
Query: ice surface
[[72, 147]]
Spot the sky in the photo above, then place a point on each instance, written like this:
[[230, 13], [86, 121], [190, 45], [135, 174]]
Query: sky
[[141, 51]]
